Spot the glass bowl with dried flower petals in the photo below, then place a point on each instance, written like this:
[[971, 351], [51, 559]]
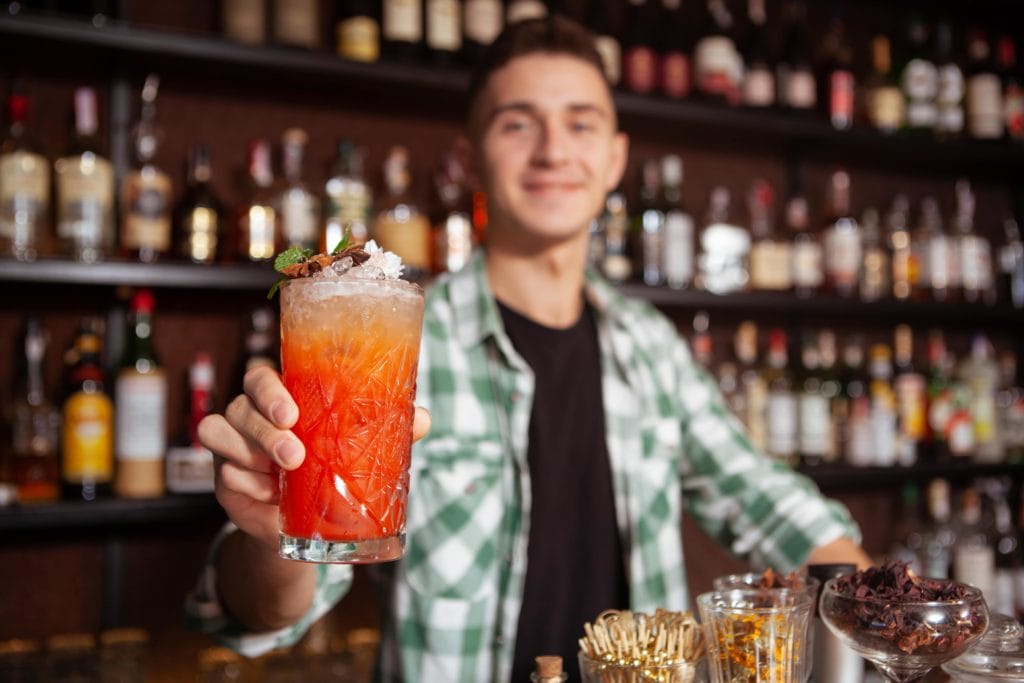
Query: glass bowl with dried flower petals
[[904, 624]]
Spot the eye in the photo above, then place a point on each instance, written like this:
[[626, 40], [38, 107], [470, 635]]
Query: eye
[[583, 124], [515, 123]]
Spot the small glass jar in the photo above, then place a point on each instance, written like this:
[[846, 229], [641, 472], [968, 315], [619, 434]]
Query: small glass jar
[[998, 656]]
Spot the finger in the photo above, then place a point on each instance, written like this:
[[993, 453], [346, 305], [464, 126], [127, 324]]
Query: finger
[[258, 486], [280, 445], [220, 437], [420, 423], [263, 385]]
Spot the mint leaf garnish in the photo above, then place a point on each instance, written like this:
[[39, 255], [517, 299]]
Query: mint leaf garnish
[[343, 244], [276, 286], [290, 257]]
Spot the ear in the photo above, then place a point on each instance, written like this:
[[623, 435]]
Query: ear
[[466, 153], [617, 165]]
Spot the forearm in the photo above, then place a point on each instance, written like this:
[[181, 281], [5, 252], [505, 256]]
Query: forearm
[[840, 551], [260, 589]]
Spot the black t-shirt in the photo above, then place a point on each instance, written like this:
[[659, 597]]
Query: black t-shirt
[[575, 561]]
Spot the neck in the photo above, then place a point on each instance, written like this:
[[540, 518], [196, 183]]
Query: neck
[[545, 284]]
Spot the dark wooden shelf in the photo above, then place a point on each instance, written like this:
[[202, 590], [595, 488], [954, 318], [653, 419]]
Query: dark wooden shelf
[[785, 304], [256, 277], [432, 87], [846, 478], [109, 514]]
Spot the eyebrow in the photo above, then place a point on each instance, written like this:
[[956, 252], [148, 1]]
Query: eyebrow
[[528, 108]]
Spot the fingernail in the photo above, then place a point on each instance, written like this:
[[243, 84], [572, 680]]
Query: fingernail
[[289, 452], [283, 413]]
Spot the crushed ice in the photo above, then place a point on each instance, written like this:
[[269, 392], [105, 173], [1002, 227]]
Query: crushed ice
[[382, 265]]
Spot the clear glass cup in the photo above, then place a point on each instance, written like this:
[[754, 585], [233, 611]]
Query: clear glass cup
[[597, 671], [349, 351], [756, 634]]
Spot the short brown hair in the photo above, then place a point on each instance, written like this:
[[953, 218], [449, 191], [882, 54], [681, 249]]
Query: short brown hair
[[553, 34]]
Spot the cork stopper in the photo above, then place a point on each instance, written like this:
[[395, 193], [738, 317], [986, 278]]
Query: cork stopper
[[548, 666]]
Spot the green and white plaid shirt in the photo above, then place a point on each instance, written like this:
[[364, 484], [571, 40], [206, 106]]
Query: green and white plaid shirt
[[456, 594]]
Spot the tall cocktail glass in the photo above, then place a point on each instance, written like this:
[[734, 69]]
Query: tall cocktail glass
[[349, 351]]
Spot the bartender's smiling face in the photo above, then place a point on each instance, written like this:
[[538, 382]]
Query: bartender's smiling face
[[547, 146]]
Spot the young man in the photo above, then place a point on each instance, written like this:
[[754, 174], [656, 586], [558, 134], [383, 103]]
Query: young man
[[570, 426]]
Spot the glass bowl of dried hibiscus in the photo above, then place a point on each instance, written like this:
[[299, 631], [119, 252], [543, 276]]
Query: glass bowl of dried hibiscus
[[904, 624]]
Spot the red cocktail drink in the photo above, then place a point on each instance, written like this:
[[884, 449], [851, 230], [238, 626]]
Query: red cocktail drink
[[349, 350]]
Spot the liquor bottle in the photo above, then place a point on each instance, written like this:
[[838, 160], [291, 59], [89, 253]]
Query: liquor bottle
[[36, 427], [1011, 265], [769, 256], [885, 109], [189, 463], [452, 224], [701, 341], [258, 347], [807, 269], [650, 225], [875, 275], [911, 398], [1010, 402], [814, 411], [752, 389], [905, 267], [937, 260], [639, 57], [399, 225], [678, 238], [1013, 88], [949, 122], [443, 31], [1009, 556], [974, 558], [257, 220], [939, 536], [87, 418], [919, 78], [831, 389], [347, 199], [357, 32], [940, 397], [907, 544], [883, 405], [717, 64], [852, 409], [298, 207], [616, 264], [781, 407], [842, 239], [794, 76], [24, 186], [605, 41], [296, 23], [724, 261], [85, 188], [984, 90], [980, 376], [759, 63], [521, 10], [199, 214], [146, 190], [836, 79], [976, 275], [402, 29], [244, 21], [482, 21], [140, 397], [674, 78]]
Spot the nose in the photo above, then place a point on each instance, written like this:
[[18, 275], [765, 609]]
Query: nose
[[552, 146]]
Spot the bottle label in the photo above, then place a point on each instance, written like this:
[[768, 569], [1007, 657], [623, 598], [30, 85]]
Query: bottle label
[[801, 90], [403, 21], [678, 248], [483, 20], [841, 95], [860, 442], [843, 254], [296, 22], [920, 80], [807, 264], [300, 218], [782, 424], [815, 422], [770, 265], [724, 263], [147, 211], [883, 430], [640, 69], [201, 227], [940, 263], [86, 441], [985, 106], [409, 238], [244, 20], [975, 263], [359, 39], [886, 109], [85, 199], [756, 396], [950, 85], [910, 399], [675, 74], [759, 87], [717, 67], [976, 565], [141, 401], [258, 227], [443, 29], [25, 182], [1013, 111], [611, 57]]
